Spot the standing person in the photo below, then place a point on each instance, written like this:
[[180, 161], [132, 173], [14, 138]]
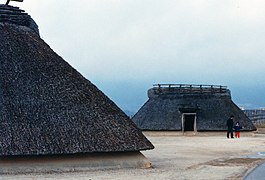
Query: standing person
[[237, 128], [230, 125]]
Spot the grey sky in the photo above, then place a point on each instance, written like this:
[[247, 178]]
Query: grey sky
[[125, 46]]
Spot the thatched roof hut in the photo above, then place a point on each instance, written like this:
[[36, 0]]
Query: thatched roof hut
[[189, 108], [46, 106]]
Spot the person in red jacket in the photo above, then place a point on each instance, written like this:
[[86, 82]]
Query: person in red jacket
[[237, 129]]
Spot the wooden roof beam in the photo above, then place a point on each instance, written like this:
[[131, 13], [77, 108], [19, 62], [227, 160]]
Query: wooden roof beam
[[8, 1]]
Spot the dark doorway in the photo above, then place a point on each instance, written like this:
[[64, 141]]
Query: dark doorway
[[189, 122]]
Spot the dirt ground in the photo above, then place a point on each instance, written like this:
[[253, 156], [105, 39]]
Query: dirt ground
[[204, 156]]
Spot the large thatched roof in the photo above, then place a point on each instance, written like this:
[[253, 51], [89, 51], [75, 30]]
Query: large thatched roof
[[46, 106], [167, 104]]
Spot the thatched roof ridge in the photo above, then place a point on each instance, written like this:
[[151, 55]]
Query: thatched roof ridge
[[164, 109], [16, 16], [47, 107]]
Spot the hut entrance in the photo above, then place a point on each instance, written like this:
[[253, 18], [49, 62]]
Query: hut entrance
[[188, 122]]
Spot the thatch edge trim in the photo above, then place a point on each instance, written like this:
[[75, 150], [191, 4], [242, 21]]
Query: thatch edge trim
[[72, 163]]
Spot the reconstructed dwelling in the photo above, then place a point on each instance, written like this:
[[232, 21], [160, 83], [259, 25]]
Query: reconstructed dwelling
[[48, 108], [189, 108]]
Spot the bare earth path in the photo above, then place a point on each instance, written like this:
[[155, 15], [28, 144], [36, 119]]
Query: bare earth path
[[205, 156]]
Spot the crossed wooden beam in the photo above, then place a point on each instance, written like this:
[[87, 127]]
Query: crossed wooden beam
[[7, 2]]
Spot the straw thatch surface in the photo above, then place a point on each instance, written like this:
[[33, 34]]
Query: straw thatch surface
[[47, 107], [164, 109], [14, 15]]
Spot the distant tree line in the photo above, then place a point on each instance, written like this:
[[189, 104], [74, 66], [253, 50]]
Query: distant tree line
[[257, 116]]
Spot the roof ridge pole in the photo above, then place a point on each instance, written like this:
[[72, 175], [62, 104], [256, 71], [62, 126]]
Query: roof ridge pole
[[180, 90], [169, 87], [8, 1]]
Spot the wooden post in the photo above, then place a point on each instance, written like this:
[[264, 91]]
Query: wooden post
[[195, 123], [182, 123]]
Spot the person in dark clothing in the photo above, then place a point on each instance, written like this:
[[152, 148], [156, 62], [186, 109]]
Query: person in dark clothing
[[230, 125]]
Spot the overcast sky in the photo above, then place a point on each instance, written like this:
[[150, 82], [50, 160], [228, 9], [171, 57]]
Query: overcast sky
[[125, 46]]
